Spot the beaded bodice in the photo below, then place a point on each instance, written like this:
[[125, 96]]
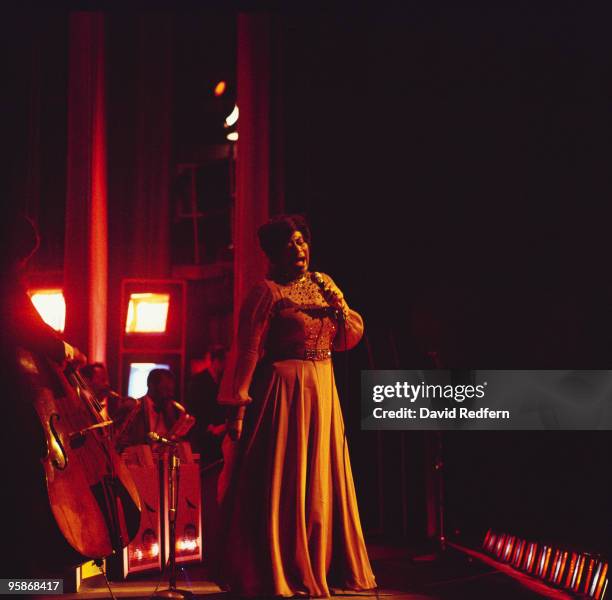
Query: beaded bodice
[[302, 323], [284, 321]]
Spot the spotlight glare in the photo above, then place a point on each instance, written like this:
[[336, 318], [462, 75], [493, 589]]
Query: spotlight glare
[[232, 117], [233, 136], [147, 313], [51, 306]]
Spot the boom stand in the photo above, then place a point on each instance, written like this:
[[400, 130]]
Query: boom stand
[[174, 465]]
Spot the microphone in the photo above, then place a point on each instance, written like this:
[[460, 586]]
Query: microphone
[[318, 279], [155, 437]]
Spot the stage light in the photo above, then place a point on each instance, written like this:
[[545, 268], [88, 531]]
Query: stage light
[[543, 561], [508, 548], [220, 88], [500, 544], [233, 136], [600, 584], [571, 570], [232, 118], [578, 574], [589, 576], [487, 538], [530, 557], [147, 313], [518, 553], [51, 306], [557, 566], [491, 542], [582, 574], [187, 545]]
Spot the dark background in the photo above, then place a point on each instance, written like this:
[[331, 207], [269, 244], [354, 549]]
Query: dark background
[[454, 164]]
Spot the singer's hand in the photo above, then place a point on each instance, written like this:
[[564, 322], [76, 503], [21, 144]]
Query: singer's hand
[[333, 295], [335, 298]]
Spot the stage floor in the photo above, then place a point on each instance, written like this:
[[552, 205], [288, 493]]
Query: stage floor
[[400, 575]]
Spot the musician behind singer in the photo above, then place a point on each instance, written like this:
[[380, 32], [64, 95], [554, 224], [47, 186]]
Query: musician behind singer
[[156, 412], [97, 377]]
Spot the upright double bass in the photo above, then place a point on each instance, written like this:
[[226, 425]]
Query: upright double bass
[[92, 495]]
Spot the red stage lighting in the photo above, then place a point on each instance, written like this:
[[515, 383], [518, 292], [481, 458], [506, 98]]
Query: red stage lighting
[[508, 548], [543, 561], [530, 557], [571, 570], [487, 537], [559, 569], [500, 544], [518, 553], [600, 583], [589, 576], [578, 574], [581, 573], [51, 306], [557, 566]]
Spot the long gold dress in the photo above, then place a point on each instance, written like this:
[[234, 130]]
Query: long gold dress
[[291, 522]]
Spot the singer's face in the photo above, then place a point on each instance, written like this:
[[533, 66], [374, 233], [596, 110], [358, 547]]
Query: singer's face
[[296, 255]]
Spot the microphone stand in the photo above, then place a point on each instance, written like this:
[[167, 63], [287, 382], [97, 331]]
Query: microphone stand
[[174, 465]]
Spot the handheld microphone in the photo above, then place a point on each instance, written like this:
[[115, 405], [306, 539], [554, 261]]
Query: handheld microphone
[[155, 437], [318, 279]]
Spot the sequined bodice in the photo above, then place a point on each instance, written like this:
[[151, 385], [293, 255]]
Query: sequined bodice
[[302, 322]]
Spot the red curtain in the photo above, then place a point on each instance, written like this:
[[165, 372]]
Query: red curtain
[[85, 263], [149, 254], [259, 179]]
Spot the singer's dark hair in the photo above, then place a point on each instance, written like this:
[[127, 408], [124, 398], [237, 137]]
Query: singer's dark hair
[[156, 375], [274, 235]]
